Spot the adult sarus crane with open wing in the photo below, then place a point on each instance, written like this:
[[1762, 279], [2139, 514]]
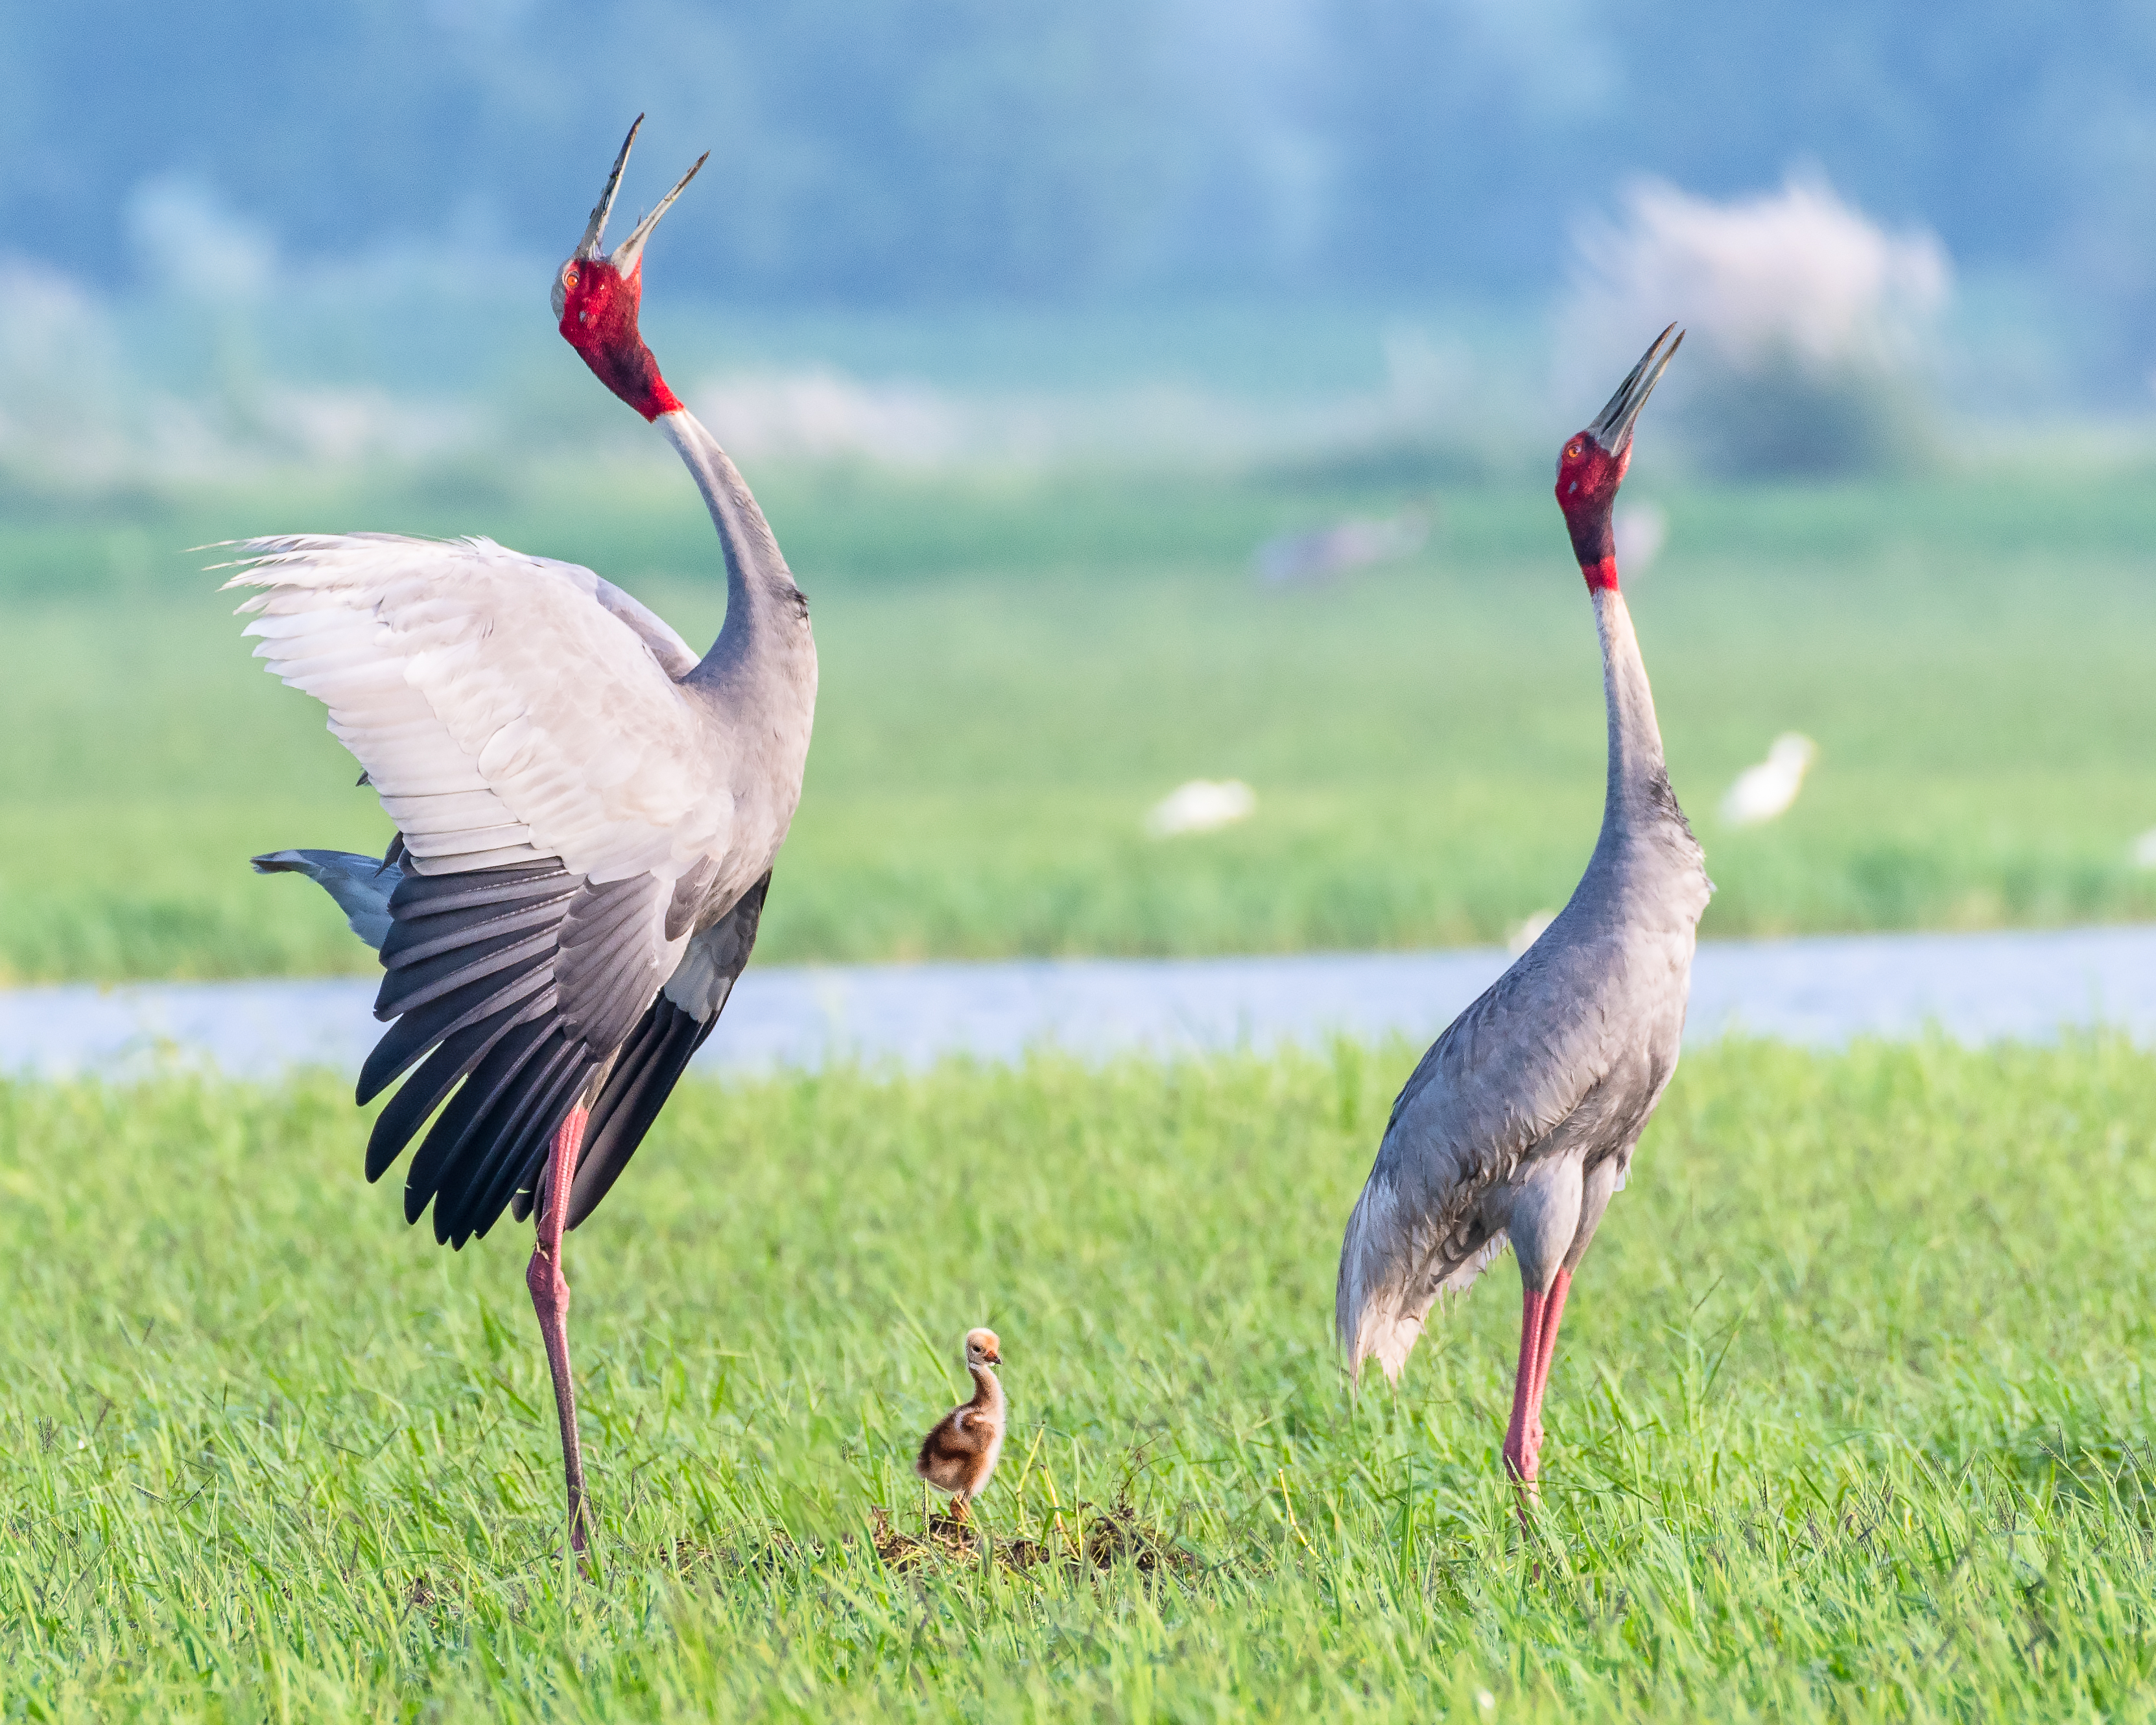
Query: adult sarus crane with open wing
[[1519, 1123], [587, 816]]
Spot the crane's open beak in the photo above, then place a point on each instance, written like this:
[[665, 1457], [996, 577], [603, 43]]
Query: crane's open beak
[[595, 230], [626, 254], [1613, 428]]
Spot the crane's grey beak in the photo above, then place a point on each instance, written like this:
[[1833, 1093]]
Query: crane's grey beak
[[595, 230], [1613, 428], [625, 255]]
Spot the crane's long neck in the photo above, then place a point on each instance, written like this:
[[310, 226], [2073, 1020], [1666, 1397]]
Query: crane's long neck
[[1639, 789], [988, 1391], [766, 614]]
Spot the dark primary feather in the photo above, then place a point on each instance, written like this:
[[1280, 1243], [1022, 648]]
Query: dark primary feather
[[511, 989]]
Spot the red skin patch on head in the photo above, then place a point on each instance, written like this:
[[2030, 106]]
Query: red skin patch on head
[[1588, 476], [599, 319]]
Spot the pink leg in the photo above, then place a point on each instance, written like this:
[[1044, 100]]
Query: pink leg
[[1519, 1450], [1553, 1316], [549, 1299]]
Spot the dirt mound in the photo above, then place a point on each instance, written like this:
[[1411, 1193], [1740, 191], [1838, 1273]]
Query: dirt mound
[[1109, 1536]]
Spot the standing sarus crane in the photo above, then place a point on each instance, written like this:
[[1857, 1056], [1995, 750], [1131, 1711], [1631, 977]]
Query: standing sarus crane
[[1519, 1123], [587, 816]]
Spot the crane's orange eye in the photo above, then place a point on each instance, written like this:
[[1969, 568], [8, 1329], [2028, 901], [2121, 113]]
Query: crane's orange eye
[[1576, 451], [569, 276]]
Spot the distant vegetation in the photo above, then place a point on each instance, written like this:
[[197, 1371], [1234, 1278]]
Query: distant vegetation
[[1016, 670], [186, 306]]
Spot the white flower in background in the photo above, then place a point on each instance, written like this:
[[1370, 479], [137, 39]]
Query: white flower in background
[[2145, 850], [1642, 530], [1763, 792], [1203, 805], [1795, 274], [1808, 327]]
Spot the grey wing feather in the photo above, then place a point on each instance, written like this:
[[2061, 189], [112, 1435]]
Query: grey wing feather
[[360, 885], [1506, 1072], [657, 1053], [614, 955], [675, 657]]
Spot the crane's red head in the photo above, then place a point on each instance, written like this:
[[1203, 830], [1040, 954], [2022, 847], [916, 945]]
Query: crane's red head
[[1592, 464], [596, 298]]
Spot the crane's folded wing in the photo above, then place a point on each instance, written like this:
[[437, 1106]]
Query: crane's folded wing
[[508, 709], [1509, 1070]]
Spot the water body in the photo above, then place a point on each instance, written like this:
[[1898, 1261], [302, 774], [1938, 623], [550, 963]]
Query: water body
[[1975, 988]]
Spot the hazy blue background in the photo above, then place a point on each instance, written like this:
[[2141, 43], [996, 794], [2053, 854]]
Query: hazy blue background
[[350, 162], [878, 152]]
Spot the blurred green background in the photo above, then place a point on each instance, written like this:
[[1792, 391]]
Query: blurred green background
[[1016, 670], [1145, 395]]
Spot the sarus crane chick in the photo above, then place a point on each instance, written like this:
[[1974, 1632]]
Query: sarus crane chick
[[1519, 1123], [587, 816], [960, 1454]]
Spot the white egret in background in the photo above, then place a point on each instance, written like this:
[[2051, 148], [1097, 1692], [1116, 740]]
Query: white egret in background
[[587, 816], [1527, 931], [1761, 794], [1203, 805]]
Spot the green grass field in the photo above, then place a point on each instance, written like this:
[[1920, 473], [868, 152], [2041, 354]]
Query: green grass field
[[1850, 1419], [1015, 669]]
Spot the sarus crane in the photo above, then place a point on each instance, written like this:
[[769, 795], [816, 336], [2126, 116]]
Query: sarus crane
[[586, 814], [1518, 1125]]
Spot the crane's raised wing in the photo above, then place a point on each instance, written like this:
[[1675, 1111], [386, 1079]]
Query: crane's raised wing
[[521, 721], [509, 710]]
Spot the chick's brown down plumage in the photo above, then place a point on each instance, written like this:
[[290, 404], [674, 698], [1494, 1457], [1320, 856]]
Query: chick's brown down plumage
[[960, 1454]]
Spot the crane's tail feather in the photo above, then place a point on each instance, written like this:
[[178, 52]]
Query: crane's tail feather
[[1391, 1275], [361, 886]]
